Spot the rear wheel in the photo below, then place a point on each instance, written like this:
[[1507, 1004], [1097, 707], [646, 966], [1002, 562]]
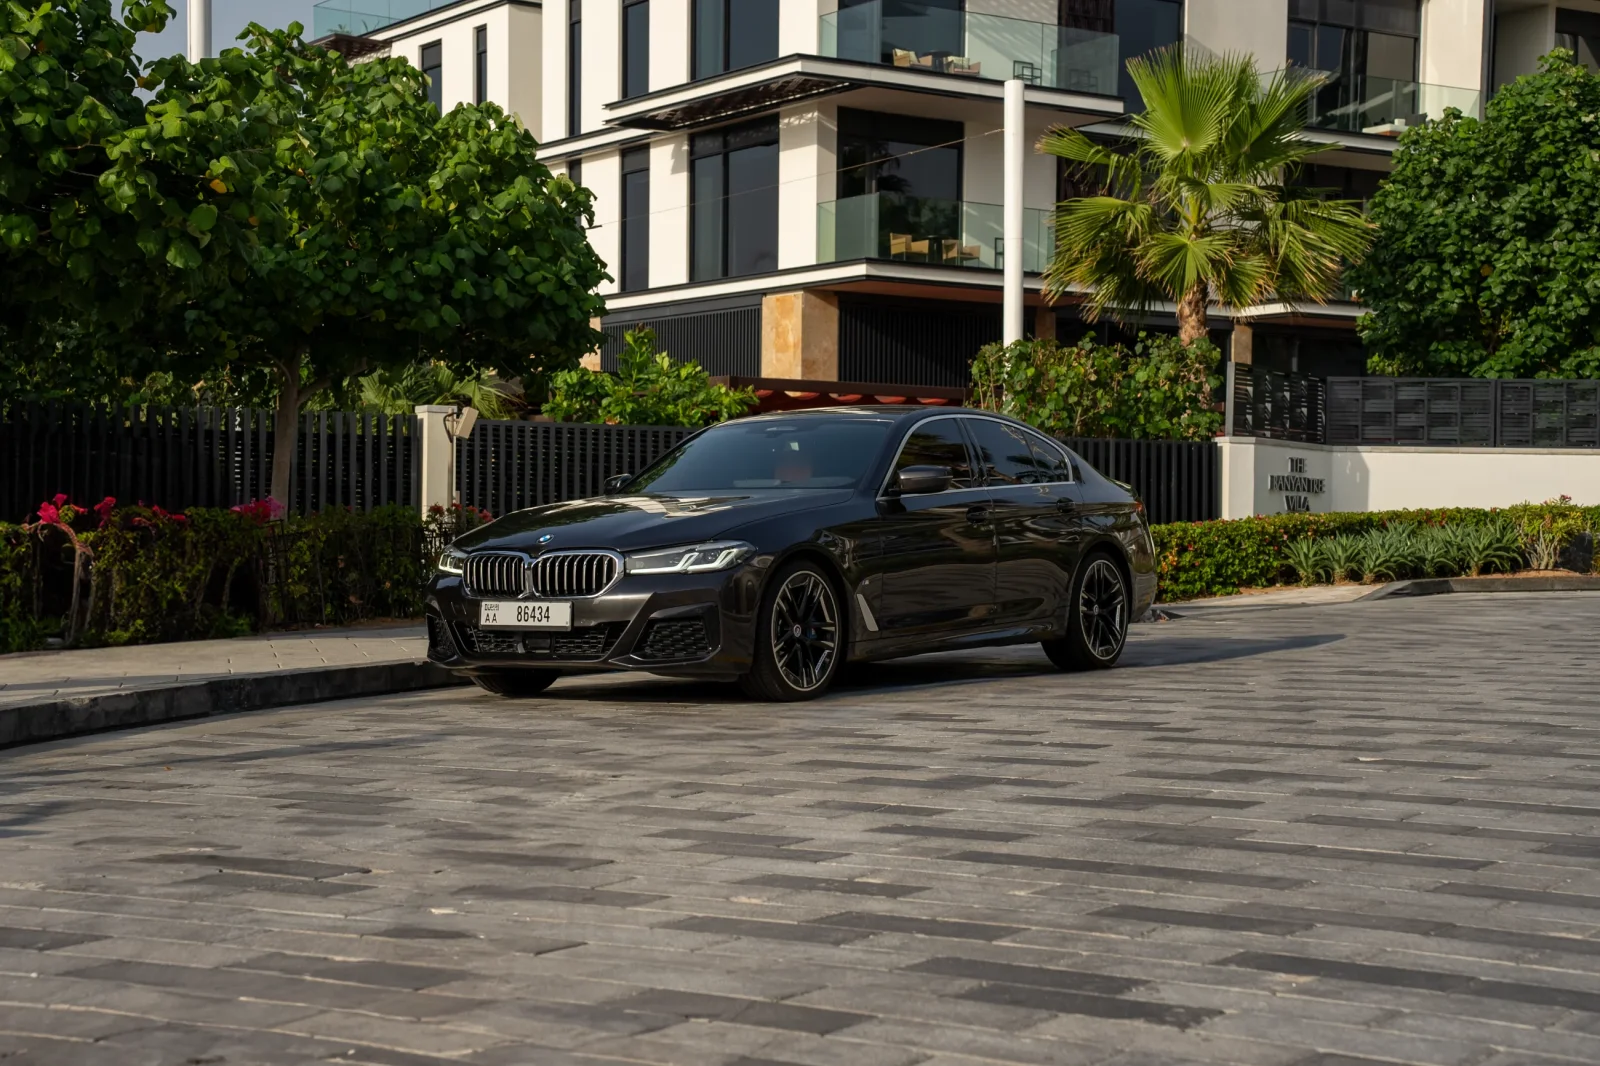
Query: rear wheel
[[515, 684], [1097, 618], [799, 637]]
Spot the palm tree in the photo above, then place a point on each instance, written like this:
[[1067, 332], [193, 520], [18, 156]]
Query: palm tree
[[1195, 204]]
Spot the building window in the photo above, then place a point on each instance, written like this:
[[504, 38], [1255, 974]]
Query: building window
[[575, 171], [635, 48], [574, 67], [1368, 50], [432, 63], [635, 219], [912, 157], [1141, 27], [733, 34], [1579, 33], [480, 65], [734, 201]]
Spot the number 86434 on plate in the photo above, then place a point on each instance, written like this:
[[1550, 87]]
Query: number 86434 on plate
[[524, 614]]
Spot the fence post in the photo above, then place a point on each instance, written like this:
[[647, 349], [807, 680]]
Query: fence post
[[1227, 402], [436, 449]]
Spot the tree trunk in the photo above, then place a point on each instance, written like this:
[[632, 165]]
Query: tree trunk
[[1192, 316], [286, 432]]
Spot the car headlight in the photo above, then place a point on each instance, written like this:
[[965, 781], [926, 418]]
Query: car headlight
[[452, 561], [691, 559]]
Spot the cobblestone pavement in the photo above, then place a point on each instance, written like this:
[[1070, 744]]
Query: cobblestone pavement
[[1331, 836], [34, 676]]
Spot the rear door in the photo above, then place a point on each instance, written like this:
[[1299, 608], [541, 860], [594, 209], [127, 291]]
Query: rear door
[[937, 551], [1029, 578]]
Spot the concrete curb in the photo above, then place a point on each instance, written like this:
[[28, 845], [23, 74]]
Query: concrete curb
[[1437, 586], [31, 723]]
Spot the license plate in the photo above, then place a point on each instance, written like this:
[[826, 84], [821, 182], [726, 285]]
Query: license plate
[[524, 614]]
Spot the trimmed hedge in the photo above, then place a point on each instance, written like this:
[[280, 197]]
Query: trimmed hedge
[[1203, 559], [130, 575]]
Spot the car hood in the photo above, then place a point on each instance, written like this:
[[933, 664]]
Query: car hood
[[630, 523]]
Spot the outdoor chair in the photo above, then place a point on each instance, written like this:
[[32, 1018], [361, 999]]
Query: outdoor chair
[[902, 245]]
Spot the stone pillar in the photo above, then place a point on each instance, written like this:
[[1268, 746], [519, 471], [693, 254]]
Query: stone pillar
[[437, 452], [591, 360], [1044, 323], [800, 336], [1243, 346]]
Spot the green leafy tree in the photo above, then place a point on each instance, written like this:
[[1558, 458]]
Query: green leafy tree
[[1196, 204], [114, 206], [1487, 262], [1161, 390], [648, 389], [411, 238]]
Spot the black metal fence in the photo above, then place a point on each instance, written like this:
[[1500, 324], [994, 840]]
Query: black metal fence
[[1463, 413], [506, 466], [1179, 481], [1266, 403], [180, 458]]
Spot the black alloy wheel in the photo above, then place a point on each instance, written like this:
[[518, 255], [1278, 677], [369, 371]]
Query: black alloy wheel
[[799, 637], [515, 684], [1097, 618]]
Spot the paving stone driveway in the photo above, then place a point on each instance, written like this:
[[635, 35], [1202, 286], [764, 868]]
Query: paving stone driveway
[[1314, 836]]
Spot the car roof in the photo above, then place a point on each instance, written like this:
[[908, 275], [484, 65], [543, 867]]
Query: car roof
[[898, 412]]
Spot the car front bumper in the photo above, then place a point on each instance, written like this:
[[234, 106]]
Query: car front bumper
[[693, 625]]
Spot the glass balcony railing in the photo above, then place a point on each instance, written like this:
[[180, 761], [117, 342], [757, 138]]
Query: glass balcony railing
[[915, 229], [1383, 106], [359, 17], [974, 45]]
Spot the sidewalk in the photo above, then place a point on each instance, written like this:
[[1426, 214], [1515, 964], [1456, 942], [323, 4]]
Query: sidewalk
[[51, 694]]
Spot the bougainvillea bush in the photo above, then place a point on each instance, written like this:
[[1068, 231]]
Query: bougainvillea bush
[[126, 574]]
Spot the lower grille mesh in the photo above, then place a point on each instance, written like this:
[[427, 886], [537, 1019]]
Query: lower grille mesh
[[584, 644], [684, 639]]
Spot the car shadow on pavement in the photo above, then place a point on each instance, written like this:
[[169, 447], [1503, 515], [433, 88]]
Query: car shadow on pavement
[[943, 669]]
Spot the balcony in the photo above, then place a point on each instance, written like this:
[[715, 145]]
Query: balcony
[[974, 45], [915, 229], [360, 17], [1384, 107]]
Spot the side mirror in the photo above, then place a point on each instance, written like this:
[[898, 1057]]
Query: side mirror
[[921, 480], [614, 484]]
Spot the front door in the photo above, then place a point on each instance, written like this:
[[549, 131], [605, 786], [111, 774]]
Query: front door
[[937, 551]]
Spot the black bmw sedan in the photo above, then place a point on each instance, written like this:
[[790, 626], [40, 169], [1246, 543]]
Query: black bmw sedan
[[771, 550]]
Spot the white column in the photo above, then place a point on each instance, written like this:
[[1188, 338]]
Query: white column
[[438, 451], [199, 30], [1016, 156]]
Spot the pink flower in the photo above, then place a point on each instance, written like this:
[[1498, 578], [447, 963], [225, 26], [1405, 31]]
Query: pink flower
[[103, 509], [60, 499], [48, 512]]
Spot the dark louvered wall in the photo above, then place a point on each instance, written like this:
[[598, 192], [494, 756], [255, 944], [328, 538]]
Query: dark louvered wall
[[724, 341], [903, 343]]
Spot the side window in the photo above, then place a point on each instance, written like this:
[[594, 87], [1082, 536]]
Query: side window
[[938, 443], [1003, 452], [1055, 465]]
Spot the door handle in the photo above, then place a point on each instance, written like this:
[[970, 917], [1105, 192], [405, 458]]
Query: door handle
[[1066, 506], [977, 515]]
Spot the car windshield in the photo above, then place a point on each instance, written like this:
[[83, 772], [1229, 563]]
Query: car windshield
[[770, 453]]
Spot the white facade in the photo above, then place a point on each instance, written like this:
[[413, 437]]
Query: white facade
[[821, 63], [512, 34]]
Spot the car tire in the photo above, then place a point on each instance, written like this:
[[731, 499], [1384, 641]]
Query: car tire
[[515, 684], [799, 637], [1097, 617]]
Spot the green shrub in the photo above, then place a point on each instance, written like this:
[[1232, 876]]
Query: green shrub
[[1202, 559], [131, 575], [648, 389], [1344, 554], [1308, 558], [1387, 554], [1491, 546], [1160, 390]]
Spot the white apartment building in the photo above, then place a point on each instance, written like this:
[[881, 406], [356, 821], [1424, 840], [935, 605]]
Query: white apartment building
[[811, 189]]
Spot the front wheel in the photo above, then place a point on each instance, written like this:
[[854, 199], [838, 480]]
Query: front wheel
[[515, 684], [799, 637], [1097, 618]]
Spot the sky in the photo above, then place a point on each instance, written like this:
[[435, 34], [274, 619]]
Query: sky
[[228, 18]]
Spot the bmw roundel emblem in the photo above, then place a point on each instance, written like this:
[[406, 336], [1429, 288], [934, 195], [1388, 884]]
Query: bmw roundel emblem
[[547, 538]]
